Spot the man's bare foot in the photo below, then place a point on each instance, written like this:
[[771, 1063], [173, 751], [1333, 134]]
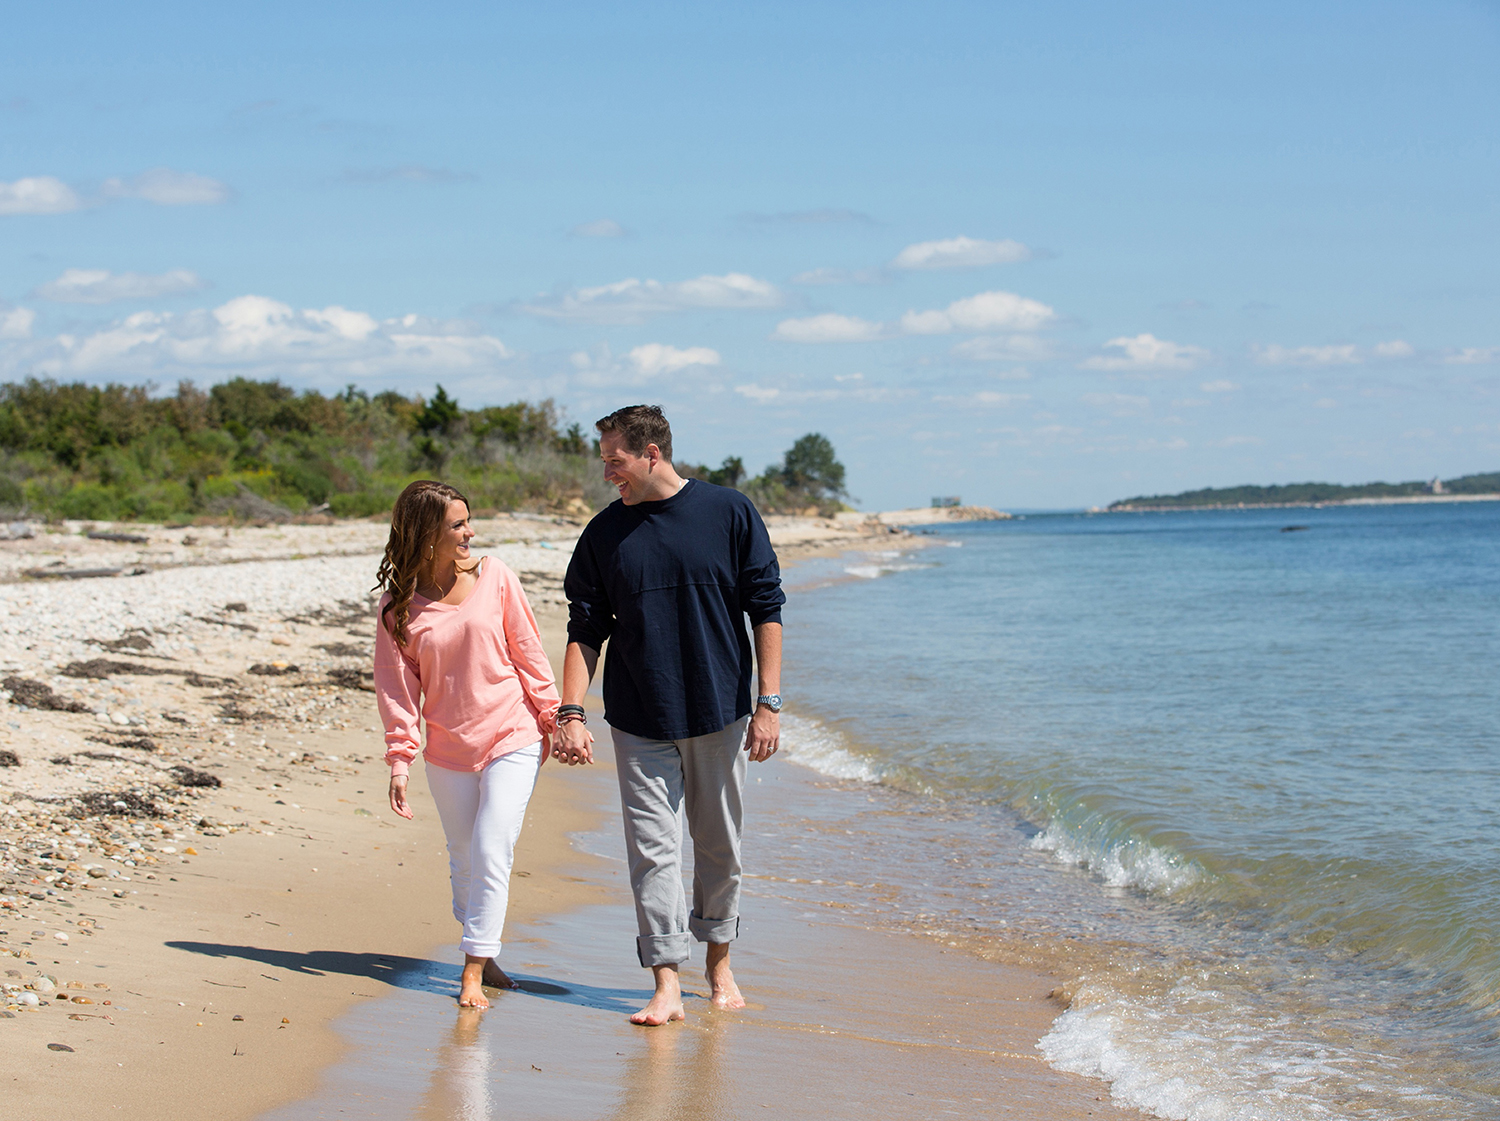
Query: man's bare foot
[[470, 985], [666, 1004], [497, 978], [725, 993]]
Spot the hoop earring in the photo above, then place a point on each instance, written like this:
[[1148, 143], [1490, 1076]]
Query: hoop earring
[[429, 552]]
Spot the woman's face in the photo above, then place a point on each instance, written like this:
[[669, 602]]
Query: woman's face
[[454, 535]]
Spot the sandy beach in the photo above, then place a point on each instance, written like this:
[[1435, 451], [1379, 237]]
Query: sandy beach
[[206, 900]]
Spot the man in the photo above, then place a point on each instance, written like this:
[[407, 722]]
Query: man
[[667, 575]]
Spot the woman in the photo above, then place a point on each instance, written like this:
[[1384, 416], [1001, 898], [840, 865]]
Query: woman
[[457, 646]]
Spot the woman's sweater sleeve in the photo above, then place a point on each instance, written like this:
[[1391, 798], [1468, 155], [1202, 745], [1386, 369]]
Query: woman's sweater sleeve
[[524, 641], [398, 691]]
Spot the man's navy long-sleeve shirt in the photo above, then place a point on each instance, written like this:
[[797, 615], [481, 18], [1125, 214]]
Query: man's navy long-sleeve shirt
[[669, 584]]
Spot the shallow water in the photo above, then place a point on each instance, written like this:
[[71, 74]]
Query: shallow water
[[1244, 780]]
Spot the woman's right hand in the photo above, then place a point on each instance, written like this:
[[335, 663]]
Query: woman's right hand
[[398, 796], [572, 743]]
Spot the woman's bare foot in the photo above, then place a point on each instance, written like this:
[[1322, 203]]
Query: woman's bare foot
[[497, 978], [725, 993], [471, 985], [666, 1004]]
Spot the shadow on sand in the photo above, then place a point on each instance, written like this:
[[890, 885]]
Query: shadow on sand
[[419, 974]]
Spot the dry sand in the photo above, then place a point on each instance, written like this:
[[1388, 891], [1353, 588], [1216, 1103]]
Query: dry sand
[[214, 934]]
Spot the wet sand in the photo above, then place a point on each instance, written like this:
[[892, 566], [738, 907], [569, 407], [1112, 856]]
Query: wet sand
[[844, 1021]]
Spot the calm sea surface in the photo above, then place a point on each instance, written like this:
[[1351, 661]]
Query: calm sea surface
[[1238, 786]]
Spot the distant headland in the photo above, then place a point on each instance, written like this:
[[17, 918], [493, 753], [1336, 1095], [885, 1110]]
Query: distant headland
[[1467, 488]]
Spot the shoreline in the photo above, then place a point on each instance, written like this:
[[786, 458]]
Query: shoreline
[[223, 931], [1393, 500]]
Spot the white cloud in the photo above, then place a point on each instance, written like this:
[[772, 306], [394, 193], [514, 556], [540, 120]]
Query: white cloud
[[1003, 348], [99, 286], [658, 358], [1341, 354], [960, 253], [1147, 352], [1222, 385], [988, 311], [256, 336], [40, 194], [15, 323], [166, 187], [760, 394], [827, 329], [632, 300], [1325, 403], [599, 227], [1474, 356]]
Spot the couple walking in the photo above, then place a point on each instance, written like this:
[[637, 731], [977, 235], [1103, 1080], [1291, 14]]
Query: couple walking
[[666, 575]]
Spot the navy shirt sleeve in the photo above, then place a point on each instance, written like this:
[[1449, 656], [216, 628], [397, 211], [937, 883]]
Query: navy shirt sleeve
[[590, 617], [761, 596]]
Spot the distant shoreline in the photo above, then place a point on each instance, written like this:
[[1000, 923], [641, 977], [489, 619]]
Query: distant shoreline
[[1393, 500]]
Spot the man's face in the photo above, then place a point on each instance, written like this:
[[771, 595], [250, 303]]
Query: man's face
[[623, 469]]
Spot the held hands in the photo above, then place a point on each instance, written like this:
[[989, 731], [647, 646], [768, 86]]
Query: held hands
[[572, 743], [398, 797], [764, 736]]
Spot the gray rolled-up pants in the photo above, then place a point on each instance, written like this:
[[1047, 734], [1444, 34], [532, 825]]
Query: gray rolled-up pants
[[659, 780]]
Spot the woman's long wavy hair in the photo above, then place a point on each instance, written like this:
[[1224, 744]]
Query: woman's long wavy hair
[[416, 520]]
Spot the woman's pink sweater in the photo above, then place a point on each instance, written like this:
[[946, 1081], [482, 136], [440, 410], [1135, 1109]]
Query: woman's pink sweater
[[474, 671]]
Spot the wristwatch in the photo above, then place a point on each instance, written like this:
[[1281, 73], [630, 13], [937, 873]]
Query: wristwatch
[[771, 700]]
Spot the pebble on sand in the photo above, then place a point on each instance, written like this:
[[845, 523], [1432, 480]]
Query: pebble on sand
[[58, 1047]]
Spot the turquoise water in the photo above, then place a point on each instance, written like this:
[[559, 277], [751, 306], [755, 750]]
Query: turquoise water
[[1239, 785]]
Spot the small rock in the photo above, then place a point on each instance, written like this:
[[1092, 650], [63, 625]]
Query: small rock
[[284, 1020], [44, 986], [61, 937], [30, 1000], [97, 873], [277, 640], [120, 718], [239, 1017], [190, 851], [82, 1000], [109, 1002], [58, 1047]]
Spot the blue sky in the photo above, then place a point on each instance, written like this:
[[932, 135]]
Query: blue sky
[[1034, 255]]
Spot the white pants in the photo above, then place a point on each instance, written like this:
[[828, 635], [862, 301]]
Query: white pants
[[481, 813]]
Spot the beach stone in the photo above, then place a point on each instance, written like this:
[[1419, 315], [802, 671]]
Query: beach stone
[[43, 985], [61, 937], [120, 719], [58, 1047], [82, 1000], [30, 1000]]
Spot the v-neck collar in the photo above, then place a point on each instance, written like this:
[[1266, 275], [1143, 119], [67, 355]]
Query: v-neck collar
[[425, 602]]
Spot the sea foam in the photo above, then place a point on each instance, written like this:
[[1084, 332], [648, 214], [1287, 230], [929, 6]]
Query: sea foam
[[815, 745], [1120, 861]]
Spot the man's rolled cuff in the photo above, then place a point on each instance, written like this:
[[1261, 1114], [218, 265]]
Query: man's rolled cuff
[[714, 930], [663, 949]]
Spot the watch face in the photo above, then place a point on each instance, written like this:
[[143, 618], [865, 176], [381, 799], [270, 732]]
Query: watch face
[[771, 701]]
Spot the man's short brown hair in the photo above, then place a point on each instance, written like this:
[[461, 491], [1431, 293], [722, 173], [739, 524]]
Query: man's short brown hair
[[639, 425]]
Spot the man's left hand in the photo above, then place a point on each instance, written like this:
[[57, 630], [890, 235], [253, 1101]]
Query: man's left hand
[[764, 736]]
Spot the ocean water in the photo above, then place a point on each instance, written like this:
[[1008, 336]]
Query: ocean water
[[1237, 786]]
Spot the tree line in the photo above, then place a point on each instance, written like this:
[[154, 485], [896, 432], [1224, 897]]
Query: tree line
[[247, 449]]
